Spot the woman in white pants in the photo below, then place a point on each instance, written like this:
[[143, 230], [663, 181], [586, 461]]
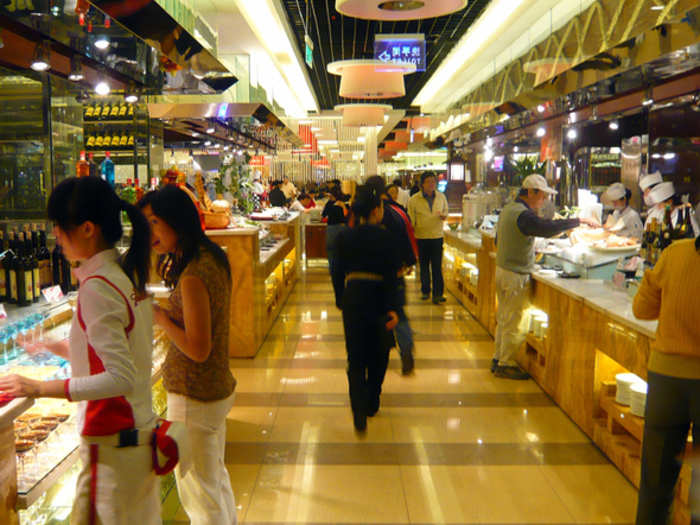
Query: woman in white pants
[[110, 349], [196, 373]]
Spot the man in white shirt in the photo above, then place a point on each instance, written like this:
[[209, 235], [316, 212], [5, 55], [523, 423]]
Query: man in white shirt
[[288, 188], [428, 211]]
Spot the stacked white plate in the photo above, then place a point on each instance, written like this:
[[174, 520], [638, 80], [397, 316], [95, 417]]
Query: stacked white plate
[[624, 383], [638, 398]]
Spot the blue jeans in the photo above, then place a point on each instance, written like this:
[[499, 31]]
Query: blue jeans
[[404, 335]]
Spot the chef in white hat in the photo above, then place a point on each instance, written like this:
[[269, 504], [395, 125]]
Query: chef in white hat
[[623, 221], [647, 184], [661, 196]]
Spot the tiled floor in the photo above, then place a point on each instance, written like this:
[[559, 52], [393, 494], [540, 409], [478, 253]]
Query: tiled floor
[[451, 444]]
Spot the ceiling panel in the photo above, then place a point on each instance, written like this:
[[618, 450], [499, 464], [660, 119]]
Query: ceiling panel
[[337, 37]]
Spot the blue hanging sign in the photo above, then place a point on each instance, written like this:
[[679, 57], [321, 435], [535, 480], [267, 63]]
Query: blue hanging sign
[[395, 49]]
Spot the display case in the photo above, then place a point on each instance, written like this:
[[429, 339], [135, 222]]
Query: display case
[[38, 439], [111, 124], [264, 259]]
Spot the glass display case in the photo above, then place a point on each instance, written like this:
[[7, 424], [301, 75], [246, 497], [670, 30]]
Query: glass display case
[[45, 436]]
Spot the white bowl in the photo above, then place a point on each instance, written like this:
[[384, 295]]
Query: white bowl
[[624, 382]]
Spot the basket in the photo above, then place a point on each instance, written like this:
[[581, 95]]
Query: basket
[[216, 220]]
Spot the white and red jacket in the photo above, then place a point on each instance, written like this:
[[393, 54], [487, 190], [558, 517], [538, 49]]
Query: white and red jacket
[[111, 346]]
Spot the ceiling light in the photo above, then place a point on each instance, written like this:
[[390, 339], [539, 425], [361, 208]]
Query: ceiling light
[[516, 149], [541, 132], [656, 155], [368, 79], [132, 98], [76, 69], [102, 42], [540, 108], [207, 143], [489, 142], [102, 88], [571, 134], [647, 102], [614, 125], [41, 59], [210, 130], [657, 7], [398, 9], [669, 156], [195, 134]]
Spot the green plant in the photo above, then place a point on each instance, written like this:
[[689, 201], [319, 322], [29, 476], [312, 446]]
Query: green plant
[[524, 167], [235, 169]]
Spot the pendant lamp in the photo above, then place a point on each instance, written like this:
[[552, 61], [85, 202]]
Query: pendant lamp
[[370, 79], [363, 115], [398, 9]]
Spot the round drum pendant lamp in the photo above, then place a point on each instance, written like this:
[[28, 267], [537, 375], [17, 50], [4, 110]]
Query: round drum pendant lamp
[[363, 115], [368, 79], [398, 9]]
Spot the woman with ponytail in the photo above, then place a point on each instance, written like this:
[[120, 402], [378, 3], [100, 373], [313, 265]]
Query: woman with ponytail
[[110, 351], [196, 371], [366, 285]]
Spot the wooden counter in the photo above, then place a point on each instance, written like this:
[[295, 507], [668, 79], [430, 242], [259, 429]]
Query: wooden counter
[[315, 243], [262, 280], [592, 336]]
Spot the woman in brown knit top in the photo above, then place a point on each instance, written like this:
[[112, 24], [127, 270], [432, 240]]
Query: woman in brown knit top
[[196, 373]]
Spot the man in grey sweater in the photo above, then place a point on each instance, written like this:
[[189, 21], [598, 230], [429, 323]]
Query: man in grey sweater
[[518, 225]]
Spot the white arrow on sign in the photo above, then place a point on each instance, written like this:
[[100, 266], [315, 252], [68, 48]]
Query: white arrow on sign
[[384, 57]]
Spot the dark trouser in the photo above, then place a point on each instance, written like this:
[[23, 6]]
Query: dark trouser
[[430, 259], [332, 232], [672, 404], [403, 331], [367, 343]]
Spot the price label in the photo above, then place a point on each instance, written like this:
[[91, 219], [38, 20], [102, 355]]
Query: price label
[[53, 294]]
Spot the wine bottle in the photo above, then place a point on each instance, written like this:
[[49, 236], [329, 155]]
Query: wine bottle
[[94, 170], [8, 264], [667, 229], [44, 257], [65, 275], [56, 262], [24, 275], [82, 168], [3, 278], [32, 262], [644, 248]]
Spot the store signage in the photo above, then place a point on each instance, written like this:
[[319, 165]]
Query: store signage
[[401, 49]]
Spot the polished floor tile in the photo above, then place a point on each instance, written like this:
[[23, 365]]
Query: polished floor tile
[[328, 494], [492, 494], [451, 444]]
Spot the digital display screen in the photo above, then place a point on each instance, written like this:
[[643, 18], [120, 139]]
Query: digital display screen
[[442, 186], [401, 49]]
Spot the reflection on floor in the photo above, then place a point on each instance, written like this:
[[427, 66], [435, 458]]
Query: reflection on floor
[[451, 443]]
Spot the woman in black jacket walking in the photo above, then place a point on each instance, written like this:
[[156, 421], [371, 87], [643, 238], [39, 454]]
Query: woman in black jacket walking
[[365, 280]]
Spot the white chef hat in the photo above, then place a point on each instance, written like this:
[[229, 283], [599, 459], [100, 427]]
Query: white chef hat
[[650, 179], [662, 192], [615, 192]]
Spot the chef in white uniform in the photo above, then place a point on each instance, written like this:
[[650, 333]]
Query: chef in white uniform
[[661, 196], [623, 221], [647, 183]]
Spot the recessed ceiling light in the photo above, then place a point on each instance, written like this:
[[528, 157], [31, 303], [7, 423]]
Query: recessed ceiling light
[[131, 98], [40, 61], [541, 132], [516, 149], [102, 88], [207, 143], [648, 102], [540, 108], [210, 130], [102, 42], [571, 134], [614, 125], [657, 7]]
